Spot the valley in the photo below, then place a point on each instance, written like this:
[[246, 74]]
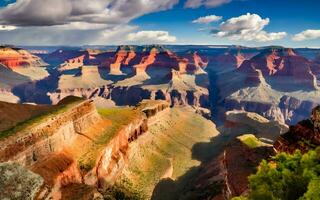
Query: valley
[[150, 122]]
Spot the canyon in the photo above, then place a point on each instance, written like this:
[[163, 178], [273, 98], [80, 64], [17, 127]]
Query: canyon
[[150, 151], [151, 122], [276, 82], [74, 144]]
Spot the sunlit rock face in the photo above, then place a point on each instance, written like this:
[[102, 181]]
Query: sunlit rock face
[[13, 58], [282, 62], [266, 80], [53, 145]]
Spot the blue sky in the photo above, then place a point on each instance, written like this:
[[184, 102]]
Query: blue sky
[[168, 21]]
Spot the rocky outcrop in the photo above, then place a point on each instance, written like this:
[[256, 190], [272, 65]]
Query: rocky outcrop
[[226, 175], [47, 146], [295, 110], [73, 63], [254, 123], [238, 163], [66, 56], [122, 57], [114, 156], [267, 110], [289, 110], [228, 60], [303, 136], [88, 93], [134, 95], [13, 58], [280, 62], [50, 134]]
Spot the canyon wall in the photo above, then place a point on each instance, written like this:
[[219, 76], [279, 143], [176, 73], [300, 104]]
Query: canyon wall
[[46, 148], [50, 135]]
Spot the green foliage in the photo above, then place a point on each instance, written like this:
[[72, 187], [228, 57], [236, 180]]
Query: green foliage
[[287, 177], [250, 141], [119, 193]]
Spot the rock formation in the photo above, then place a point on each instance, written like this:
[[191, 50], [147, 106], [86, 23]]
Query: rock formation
[[227, 175], [281, 62], [254, 123], [13, 57], [303, 136], [65, 146]]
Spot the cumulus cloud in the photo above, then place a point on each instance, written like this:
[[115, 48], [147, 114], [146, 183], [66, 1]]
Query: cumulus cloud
[[64, 35], [74, 22], [207, 19], [206, 3], [247, 27], [57, 12], [7, 28], [307, 35], [147, 37]]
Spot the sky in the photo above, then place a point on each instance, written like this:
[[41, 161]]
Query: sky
[[290, 23]]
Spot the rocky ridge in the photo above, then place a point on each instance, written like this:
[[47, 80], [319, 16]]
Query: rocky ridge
[[54, 146]]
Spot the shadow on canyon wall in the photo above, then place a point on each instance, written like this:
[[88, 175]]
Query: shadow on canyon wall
[[37, 91], [183, 187]]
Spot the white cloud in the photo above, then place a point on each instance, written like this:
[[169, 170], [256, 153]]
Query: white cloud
[[207, 19], [247, 27], [64, 35], [57, 12], [307, 35], [7, 28], [150, 37], [206, 3], [74, 22]]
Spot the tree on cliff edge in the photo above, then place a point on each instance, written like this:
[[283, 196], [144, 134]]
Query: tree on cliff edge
[[286, 177]]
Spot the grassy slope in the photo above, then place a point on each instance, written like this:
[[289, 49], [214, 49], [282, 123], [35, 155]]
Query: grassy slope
[[168, 142], [119, 118], [32, 115], [251, 141]]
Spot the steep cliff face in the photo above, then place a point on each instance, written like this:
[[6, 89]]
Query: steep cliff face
[[226, 175], [66, 56], [254, 123], [19, 58], [77, 145], [303, 136], [282, 62], [52, 133]]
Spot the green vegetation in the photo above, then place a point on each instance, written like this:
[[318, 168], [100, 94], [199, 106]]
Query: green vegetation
[[56, 110], [119, 193], [173, 148], [251, 141], [119, 118], [287, 177]]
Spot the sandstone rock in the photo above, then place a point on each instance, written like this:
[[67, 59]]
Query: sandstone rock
[[303, 136], [226, 175], [261, 127], [279, 62], [13, 57]]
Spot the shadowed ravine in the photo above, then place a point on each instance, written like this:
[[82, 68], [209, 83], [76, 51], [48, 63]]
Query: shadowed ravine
[[169, 189], [165, 161]]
